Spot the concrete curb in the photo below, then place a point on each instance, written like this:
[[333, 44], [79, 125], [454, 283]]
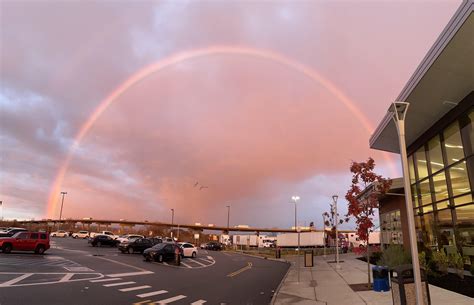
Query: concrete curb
[[274, 297]]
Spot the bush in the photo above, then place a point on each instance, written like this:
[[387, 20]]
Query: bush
[[457, 262], [441, 261], [472, 269], [394, 256]]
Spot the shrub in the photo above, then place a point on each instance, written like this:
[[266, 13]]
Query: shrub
[[472, 269], [393, 256], [457, 262], [441, 261], [423, 261]]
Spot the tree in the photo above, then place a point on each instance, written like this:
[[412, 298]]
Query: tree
[[330, 221], [362, 198]]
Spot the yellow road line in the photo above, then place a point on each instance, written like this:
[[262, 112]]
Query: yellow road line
[[249, 266]]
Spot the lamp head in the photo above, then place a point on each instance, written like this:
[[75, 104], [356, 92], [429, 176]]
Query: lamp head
[[334, 198], [295, 198]]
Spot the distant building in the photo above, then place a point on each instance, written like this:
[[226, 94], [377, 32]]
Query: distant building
[[440, 142]]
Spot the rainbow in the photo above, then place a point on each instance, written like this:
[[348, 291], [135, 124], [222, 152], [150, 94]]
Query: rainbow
[[180, 57]]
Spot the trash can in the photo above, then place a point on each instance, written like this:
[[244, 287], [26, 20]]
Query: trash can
[[278, 253], [403, 286], [308, 259], [380, 276]]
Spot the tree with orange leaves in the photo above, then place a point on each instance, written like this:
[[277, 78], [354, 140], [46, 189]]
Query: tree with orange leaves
[[362, 196]]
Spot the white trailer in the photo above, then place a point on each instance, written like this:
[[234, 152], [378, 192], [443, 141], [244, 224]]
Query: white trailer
[[354, 241], [307, 239], [249, 240]]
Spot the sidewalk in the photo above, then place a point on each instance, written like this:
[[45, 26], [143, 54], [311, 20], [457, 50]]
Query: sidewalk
[[323, 285]]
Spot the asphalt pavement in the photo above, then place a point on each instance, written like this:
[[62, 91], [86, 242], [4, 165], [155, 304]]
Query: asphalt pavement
[[73, 272]]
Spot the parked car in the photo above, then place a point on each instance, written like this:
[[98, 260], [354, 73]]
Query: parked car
[[137, 245], [80, 234], [108, 233], [25, 241], [203, 245], [60, 233], [129, 237], [189, 250], [100, 240], [214, 246], [11, 231], [162, 252]]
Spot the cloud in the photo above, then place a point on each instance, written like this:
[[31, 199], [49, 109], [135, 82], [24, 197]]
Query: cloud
[[253, 131]]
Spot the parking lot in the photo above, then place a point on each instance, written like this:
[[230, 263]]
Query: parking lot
[[73, 272]]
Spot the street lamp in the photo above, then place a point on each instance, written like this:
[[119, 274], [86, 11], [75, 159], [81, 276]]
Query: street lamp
[[399, 111], [172, 222], [61, 211], [334, 200], [324, 234], [295, 200], [228, 218], [1, 206]]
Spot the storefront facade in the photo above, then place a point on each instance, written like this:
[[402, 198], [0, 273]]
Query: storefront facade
[[440, 141]]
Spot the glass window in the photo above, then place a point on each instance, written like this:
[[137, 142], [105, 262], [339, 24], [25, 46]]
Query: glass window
[[467, 131], [463, 199], [421, 163], [427, 208], [414, 193], [442, 205], [34, 236], [440, 187], [428, 229], [43, 236], [434, 151], [425, 192], [445, 230], [22, 236], [465, 228], [453, 143], [412, 170], [459, 181]]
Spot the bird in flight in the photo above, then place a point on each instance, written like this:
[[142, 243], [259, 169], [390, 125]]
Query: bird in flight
[[203, 187], [196, 184]]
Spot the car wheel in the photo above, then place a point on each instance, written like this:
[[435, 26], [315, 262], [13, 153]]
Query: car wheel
[[129, 250], [40, 249], [147, 258], [99, 244], [194, 255], [7, 248], [160, 258]]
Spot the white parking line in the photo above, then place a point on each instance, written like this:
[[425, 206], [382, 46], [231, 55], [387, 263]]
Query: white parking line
[[210, 257], [167, 301], [119, 284], [134, 288], [207, 261], [16, 280], [150, 294], [195, 261], [129, 274], [200, 302], [185, 265], [106, 280], [66, 277]]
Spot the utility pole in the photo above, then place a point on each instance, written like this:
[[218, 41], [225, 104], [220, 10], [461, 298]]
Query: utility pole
[[334, 198], [61, 211], [172, 222], [228, 218]]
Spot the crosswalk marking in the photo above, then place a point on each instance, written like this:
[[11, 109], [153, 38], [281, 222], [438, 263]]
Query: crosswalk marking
[[195, 261], [17, 279], [200, 302], [66, 277], [185, 265], [142, 302], [106, 280], [169, 300], [130, 274], [150, 294], [134, 288], [119, 284]]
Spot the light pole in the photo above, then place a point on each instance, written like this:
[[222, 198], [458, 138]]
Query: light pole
[[1, 206], [228, 218], [324, 234], [399, 111], [172, 222], [334, 199], [61, 211], [295, 200]]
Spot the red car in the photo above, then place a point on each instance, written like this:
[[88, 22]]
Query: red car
[[25, 241]]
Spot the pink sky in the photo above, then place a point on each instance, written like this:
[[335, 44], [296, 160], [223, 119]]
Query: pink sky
[[253, 130]]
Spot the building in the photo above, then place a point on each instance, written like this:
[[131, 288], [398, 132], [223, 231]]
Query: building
[[440, 141]]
